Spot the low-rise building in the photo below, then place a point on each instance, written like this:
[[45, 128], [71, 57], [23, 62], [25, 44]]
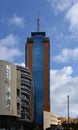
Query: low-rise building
[[16, 96], [49, 120], [71, 120]]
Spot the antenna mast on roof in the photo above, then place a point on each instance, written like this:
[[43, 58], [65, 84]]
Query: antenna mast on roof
[[38, 23]]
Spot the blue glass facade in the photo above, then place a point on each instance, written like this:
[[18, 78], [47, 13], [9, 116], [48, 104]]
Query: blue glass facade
[[38, 76], [36, 60]]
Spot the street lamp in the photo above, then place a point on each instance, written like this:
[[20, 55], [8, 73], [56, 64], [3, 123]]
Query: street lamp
[[68, 109]]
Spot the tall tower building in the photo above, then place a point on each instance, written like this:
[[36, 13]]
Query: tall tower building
[[37, 58]]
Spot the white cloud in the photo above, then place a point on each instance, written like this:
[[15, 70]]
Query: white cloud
[[62, 84], [10, 40], [8, 48], [72, 17], [8, 53], [18, 21], [61, 5], [21, 64], [70, 9], [67, 55]]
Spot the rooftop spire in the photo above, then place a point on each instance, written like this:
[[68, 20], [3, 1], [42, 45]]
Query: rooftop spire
[[38, 23]]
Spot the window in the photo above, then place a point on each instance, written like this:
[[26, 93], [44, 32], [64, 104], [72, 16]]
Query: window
[[8, 72]]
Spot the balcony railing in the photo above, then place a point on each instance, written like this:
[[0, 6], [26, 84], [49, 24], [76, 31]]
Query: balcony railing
[[23, 91]]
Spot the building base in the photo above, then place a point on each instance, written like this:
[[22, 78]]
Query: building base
[[8, 123]]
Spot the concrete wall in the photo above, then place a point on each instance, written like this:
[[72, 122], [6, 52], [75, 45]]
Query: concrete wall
[[49, 119], [8, 89]]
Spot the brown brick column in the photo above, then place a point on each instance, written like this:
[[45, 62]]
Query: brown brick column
[[29, 53], [46, 105]]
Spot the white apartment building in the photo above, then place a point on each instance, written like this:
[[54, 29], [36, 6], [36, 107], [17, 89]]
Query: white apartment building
[[16, 96]]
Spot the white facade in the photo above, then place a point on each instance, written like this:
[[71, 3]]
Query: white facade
[[49, 119], [8, 89]]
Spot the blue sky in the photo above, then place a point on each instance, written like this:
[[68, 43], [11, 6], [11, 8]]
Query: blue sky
[[59, 19]]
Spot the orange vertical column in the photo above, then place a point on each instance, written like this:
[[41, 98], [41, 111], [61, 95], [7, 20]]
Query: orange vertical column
[[46, 105], [29, 53]]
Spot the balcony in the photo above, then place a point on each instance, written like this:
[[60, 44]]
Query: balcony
[[23, 111], [25, 87], [23, 104], [23, 91]]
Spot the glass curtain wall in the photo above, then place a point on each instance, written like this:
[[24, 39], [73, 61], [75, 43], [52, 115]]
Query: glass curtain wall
[[38, 76]]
